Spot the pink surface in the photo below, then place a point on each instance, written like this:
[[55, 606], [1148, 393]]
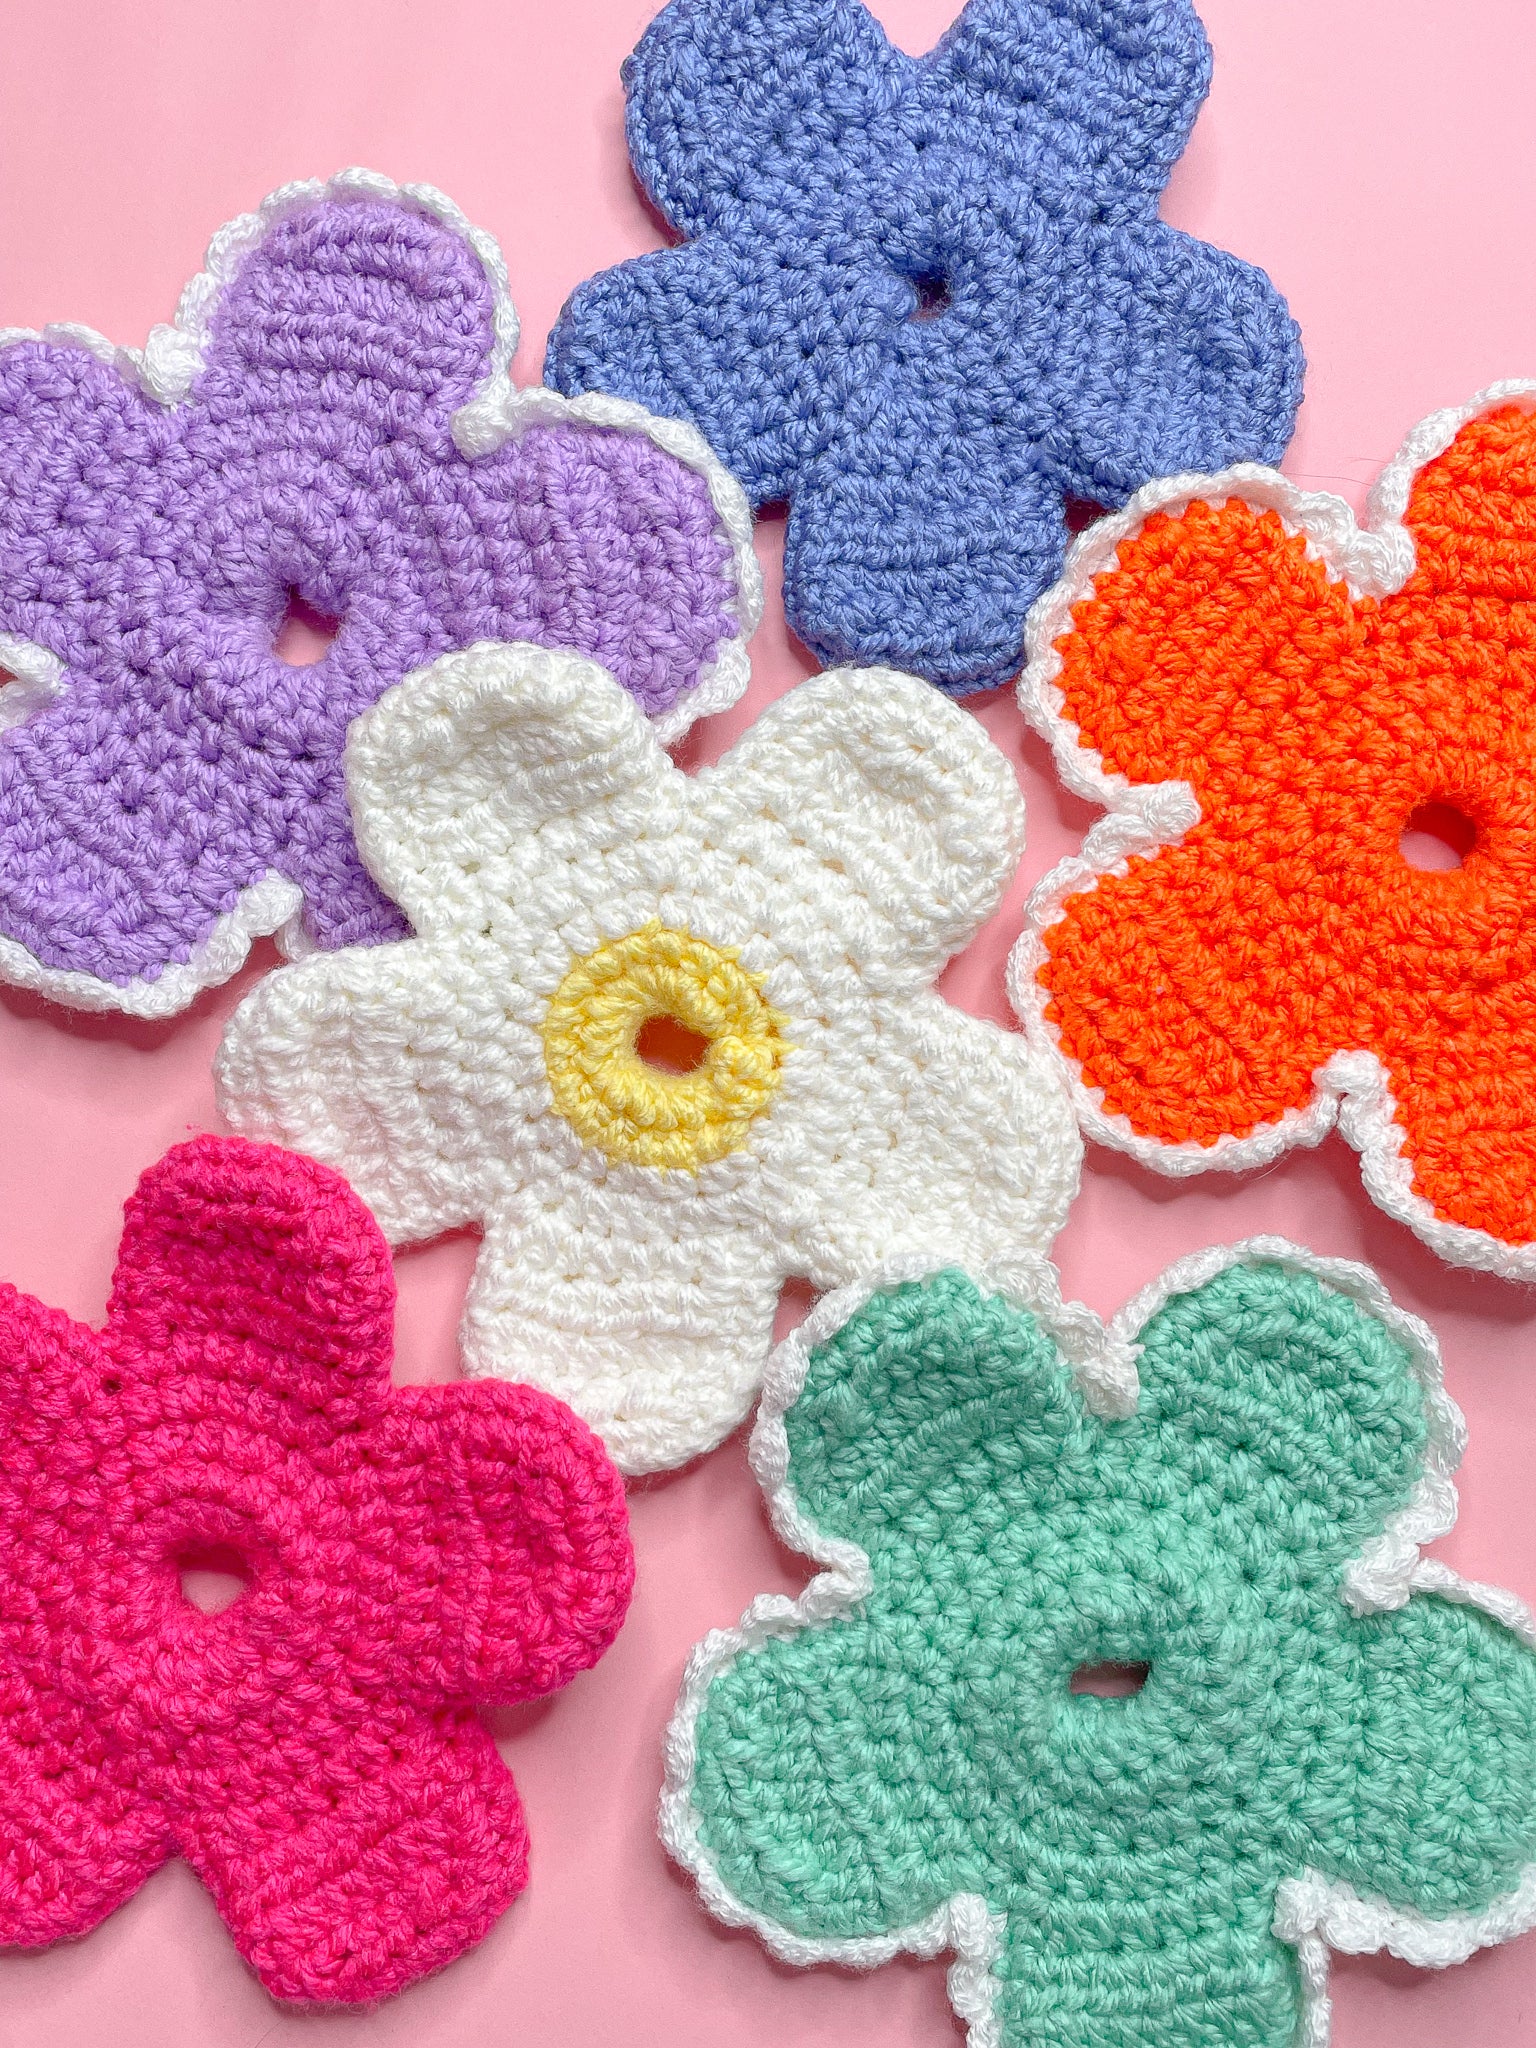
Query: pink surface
[[1380, 160]]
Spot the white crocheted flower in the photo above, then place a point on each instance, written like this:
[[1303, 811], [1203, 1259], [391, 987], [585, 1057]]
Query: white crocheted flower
[[787, 910]]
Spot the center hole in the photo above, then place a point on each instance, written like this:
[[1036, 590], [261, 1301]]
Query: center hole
[[1437, 836], [1110, 1681], [303, 636], [212, 1575], [931, 290], [668, 1045]]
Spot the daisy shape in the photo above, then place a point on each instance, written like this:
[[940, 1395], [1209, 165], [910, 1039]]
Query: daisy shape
[[1123, 1678], [409, 1553], [329, 422], [783, 915], [929, 300], [1273, 702]]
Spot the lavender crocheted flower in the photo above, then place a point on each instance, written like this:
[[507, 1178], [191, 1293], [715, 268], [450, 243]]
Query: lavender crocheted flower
[[329, 421]]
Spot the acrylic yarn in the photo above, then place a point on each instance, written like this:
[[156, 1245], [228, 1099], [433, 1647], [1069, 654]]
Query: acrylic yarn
[[1320, 1738], [330, 419], [1265, 696], [312, 1751], [572, 891], [929, 301]]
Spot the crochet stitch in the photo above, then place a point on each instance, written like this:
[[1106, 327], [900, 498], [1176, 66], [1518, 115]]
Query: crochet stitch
[[312, 1750], [329, 421], [1317, 1738], [1265, 696], [929, 300], [790, 908]]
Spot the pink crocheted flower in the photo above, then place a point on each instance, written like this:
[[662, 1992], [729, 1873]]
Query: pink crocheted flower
[[313, 1750]]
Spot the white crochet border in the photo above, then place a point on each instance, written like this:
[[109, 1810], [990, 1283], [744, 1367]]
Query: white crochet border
[[1312, 1912], [165, 370], [1351, 1089]]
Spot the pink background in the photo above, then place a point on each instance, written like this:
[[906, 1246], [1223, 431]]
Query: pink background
[[1379, 157]]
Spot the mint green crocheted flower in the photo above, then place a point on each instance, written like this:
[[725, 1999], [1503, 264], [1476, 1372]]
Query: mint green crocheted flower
[[1322, 1748]]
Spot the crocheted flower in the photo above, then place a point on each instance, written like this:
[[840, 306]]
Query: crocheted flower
[[929, 300], [1268, 698], [668, 1039], [330, 420], [1124, 1679], [312, 1750]]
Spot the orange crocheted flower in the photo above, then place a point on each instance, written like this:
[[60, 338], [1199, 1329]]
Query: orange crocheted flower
[[1282, 961]]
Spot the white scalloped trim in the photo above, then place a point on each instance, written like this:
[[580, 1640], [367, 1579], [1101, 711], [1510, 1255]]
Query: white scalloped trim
[[39, 679], [1312, 1912], [165, 370], [272, 907], [1351, 1089], [504, 413]]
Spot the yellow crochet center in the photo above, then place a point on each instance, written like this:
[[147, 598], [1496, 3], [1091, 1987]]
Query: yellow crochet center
[[635, 1111]]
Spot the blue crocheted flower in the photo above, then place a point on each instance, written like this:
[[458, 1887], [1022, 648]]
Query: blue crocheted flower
[[1315, 1737], [929, 300]]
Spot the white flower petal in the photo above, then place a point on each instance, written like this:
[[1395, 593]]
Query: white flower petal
[[455, 769], [651, 1317], [899, 796], [399, 1066], [929, 1132]]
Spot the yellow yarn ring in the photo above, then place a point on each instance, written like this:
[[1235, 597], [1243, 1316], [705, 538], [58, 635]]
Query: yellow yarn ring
[[613, 1098]]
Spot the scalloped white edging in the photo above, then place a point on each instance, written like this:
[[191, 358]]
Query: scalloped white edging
[[1312, 1912], [165, 370], [270, 908], [1351, 1090]]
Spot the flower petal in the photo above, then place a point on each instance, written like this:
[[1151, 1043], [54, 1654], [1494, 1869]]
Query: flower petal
[[1170, 987], [1181, 1970], [455, 771], [274, 1266], [529, 1519], [908, 548], [77, 1837], [650, 1311], [802, 1782], [358, 298], [948, 1135], [908, 1396], [727, 95], [1423, 1787], [674, 331], [1104, 91], [393, 1064], [360, 1856], [1205, 332], [900, 795], [1297, 1413], [1209, 649]]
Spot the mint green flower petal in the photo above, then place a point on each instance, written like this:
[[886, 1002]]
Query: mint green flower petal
[[1428, 1795], [1284, 1408], [805, 1785], [1214, 1978], [932, 1398]]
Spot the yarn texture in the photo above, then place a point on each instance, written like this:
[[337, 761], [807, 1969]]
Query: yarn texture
[[330, 421], [1318, 1738], [1266, 697], [312, 1750], [929, 300], [569, 886]]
